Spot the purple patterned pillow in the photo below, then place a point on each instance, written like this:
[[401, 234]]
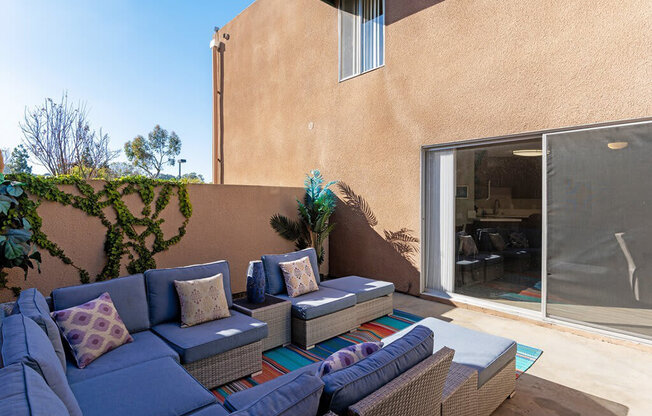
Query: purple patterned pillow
[[92, 329], [347, 356]]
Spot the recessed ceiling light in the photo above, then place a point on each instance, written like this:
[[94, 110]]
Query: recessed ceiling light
[[617, 145], [528, 152]]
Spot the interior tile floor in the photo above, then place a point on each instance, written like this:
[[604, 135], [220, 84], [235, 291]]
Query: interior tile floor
[[575, 375]]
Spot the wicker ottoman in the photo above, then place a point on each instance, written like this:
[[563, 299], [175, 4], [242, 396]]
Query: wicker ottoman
[[468, 271], [275, 312]]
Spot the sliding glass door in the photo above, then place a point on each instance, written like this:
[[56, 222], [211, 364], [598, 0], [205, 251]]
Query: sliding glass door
[[559, 224], [599, 227]]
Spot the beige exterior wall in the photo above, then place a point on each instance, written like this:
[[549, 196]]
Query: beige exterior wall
[[228, 222], [455, 70]]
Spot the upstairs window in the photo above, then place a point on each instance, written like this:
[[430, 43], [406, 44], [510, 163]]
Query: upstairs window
[[362, 36]]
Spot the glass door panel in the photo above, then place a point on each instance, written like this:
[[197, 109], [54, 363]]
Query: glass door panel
[[599, 233]]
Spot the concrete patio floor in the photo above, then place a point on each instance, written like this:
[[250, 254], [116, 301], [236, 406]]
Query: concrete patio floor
[[575, 375]]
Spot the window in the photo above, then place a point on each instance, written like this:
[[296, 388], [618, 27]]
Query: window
[[362, 36]]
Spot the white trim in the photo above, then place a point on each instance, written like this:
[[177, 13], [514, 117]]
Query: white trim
[[359, 48], [544, 226]]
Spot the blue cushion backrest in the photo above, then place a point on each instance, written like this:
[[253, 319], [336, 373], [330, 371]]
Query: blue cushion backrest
[[274, 280], [127, 293], [32, 304], [162, 295], [350, 385], [299, 397], [24, 342], [25, 393]]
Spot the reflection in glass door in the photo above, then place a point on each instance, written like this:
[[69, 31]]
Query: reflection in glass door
[[498, 223], [599, 227]]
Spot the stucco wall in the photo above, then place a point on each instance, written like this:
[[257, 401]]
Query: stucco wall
[[228, 222], [455, 70]]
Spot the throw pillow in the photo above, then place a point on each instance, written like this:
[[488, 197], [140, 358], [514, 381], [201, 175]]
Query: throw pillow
[[497, 241], [299, 277], [467, 246], [347, 356], [518, 240], [33, 305], [202, 300], [92, 329]]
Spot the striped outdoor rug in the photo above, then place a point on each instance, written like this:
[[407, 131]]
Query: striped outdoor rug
[[283, 360]]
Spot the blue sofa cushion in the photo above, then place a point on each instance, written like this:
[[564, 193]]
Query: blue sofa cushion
[[162, 295], [23, 341], [33, 305], [25, 393], [244, 398], [212, 410], [145, 346], [319, 303], [158, 387], [127, 294], [484, 352], [274, 281], [350, 385], [298, 397], [364, 289], [205, 340]]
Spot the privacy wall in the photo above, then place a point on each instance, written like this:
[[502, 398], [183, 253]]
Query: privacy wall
[[228, 222]]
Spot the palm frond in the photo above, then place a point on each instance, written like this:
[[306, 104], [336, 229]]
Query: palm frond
[[357, 202], [285, 227], [404, 235]]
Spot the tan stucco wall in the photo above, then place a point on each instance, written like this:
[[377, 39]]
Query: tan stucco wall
[[228, 223], [455, 70]]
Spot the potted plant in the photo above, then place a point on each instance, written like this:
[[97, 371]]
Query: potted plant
[[312, 228]]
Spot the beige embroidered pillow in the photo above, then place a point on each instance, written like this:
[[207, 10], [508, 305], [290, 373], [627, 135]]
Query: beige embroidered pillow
[[202, 300], [299, 277]]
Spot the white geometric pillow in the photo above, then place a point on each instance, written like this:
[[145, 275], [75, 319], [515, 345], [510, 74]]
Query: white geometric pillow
[[299, 277], [202, 300]]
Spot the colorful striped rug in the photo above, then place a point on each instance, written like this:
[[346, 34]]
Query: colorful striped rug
[[282, 360]]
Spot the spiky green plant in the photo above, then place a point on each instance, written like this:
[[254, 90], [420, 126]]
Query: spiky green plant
[[312, 228]]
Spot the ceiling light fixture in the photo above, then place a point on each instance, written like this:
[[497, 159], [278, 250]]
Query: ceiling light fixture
[[528, 152], [617, 145]]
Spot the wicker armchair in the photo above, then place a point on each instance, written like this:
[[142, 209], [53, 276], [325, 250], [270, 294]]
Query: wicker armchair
[[417, 392]]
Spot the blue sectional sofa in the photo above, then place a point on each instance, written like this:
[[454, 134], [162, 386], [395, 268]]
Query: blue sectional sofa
[[425, 369], [340, 305], [145, 376]]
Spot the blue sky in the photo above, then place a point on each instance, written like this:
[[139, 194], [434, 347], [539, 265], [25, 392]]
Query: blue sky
[[135, 63]]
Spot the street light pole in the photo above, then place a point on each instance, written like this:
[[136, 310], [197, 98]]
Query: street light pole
[[180, 162]]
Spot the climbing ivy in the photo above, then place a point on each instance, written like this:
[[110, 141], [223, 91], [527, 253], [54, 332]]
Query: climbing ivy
[[121, 237]]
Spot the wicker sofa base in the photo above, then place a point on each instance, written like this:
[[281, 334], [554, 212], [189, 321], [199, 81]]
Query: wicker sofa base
[[462, 397], [227, 366], [307, 333], [375, 308], [497, 389]]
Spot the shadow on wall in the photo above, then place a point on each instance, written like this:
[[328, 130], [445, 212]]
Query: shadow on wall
[[399, 9], [356, 248]]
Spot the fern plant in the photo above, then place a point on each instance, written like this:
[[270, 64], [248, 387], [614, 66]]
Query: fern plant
[[312, 227]]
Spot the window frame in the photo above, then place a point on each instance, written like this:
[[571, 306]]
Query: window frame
[[358, 42]]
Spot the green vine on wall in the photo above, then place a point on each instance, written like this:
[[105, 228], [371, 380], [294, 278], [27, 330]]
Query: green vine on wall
[[122, 238]]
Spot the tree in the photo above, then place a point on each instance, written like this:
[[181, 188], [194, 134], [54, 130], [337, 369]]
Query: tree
[[151, 154], [122, 169], [312, 227], [18, 161], [4, 157], [193, 177], [59, 136]]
